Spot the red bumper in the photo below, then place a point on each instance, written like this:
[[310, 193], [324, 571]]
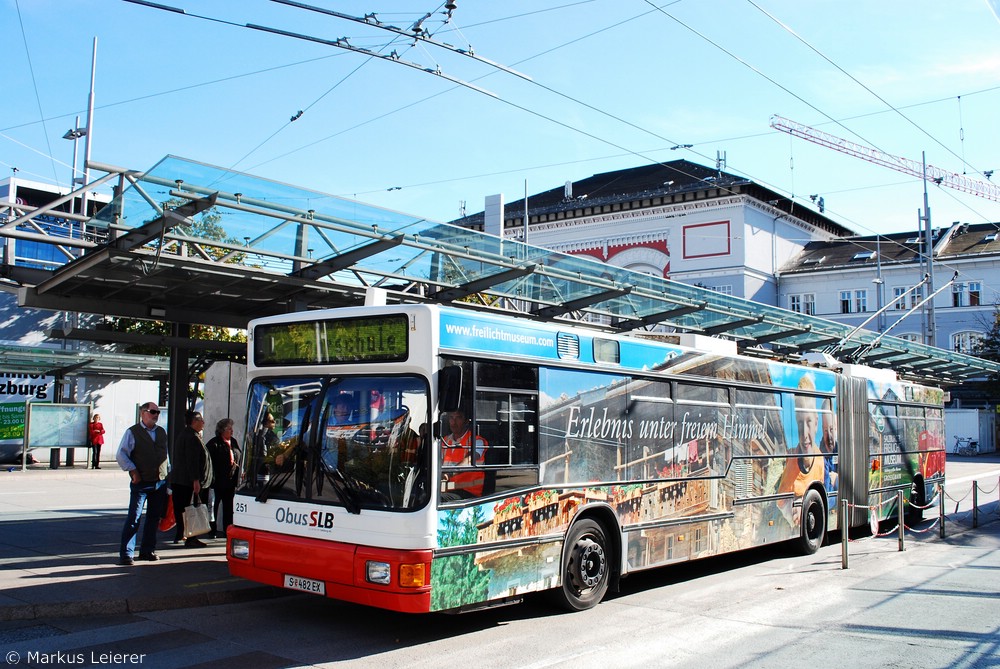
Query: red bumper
[[341, 567]]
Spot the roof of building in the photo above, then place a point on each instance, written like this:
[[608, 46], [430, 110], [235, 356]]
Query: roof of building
[[972, 240], [649, 185], [902, 248]]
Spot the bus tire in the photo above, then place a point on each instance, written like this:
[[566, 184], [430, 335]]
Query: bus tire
[[586, 567], [813, 522]]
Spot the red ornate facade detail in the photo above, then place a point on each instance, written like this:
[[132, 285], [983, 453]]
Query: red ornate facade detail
[[615, 249]]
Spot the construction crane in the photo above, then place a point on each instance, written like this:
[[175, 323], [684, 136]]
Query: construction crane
[[984, 189]]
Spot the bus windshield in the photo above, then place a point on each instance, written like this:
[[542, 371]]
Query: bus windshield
[[350, 441]]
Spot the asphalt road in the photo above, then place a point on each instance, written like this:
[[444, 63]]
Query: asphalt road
[[935, 604]]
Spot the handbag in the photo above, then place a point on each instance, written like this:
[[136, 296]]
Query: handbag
[[168, 521], [195, 518]]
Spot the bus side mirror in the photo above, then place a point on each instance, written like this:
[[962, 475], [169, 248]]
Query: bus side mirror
[[449, 388]]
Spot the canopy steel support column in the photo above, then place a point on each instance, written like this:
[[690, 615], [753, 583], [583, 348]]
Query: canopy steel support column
[[177, 389]]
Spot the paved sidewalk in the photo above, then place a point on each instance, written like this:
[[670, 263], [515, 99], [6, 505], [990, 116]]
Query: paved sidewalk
[[59, 535]]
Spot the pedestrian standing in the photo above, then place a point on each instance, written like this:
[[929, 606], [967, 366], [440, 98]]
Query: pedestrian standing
[[225, 452], [143, 454], [191, 473], [96, 440]]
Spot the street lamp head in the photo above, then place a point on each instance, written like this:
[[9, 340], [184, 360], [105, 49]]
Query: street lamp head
[[75, 133]]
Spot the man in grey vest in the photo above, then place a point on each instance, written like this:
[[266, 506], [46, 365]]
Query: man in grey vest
[[143, 454]]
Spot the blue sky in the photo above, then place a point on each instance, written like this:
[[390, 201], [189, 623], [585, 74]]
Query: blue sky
[[614, 84]]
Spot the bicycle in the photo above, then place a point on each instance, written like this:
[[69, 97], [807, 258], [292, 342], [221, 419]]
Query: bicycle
[[966, 446]]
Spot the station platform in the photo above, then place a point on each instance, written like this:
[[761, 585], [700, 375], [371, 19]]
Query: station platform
[[59, 536]]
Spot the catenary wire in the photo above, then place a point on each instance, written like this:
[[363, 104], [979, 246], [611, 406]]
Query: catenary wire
[[34, 83], [888, 104], [566, 125]]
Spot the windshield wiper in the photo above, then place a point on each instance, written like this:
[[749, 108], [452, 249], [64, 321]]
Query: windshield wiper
[[275, 481], [343, 487]]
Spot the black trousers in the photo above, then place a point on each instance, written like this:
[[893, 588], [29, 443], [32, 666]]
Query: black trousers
[[224, 499]]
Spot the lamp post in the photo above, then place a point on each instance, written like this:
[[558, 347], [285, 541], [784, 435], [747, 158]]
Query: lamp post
[[75, 133], [879, 284]]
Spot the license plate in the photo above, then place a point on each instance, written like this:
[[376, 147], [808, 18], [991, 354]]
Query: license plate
[[305, 584]]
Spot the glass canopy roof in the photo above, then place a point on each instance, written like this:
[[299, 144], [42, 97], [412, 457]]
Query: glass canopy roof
[[246, 235]]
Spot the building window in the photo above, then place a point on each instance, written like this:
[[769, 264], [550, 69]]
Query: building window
[[967, 294], [916, 297], [860, 301], [803, 304], [966, 342], [910, 336], [845, 301], [899, 295], [722, 290]]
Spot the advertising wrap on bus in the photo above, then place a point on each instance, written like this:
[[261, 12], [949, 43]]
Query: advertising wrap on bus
[[562, 458], [474, 332]]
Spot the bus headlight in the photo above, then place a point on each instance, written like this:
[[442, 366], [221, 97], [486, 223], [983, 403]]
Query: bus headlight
[[378, 572], [239, 549]]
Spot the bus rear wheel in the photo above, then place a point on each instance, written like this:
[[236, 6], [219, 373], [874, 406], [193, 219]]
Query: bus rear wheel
[[813, 522], [586, 569]]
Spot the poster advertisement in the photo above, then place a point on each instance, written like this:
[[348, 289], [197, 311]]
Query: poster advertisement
[[16, 390]]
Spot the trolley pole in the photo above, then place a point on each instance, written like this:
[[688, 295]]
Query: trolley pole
[[845, 528]]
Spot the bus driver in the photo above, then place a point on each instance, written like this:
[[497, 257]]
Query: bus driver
[[457, 449]]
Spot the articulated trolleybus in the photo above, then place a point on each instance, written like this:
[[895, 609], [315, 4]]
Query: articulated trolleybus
[[424, 458]]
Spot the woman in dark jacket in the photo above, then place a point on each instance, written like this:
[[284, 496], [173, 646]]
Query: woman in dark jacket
[[190, 472], [225, 452]]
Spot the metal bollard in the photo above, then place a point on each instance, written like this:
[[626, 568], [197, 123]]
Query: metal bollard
[[975, 503], [845, 536], [941, 509], [899, 514]]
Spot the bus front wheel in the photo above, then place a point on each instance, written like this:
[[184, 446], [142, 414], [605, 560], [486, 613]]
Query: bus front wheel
[[813, 522], [586, 569]]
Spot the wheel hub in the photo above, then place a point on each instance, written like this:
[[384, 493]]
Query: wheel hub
[[592, 563]]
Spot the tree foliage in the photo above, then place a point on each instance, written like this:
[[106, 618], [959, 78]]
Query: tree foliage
[[208, 226], [456, 580], [159, 328]]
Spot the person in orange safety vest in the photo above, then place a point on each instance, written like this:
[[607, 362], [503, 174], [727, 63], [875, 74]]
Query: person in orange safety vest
[[457, 451]]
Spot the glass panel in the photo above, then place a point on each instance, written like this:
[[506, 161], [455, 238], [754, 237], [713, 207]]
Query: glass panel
[[353, 441], [606, 350], [583, 426], [266, 226], [692, 393], [758, 398], [653, 450]]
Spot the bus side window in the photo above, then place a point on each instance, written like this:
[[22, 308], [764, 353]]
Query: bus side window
[[506, 420]]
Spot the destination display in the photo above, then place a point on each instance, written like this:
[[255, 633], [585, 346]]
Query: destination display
[[332, 341]]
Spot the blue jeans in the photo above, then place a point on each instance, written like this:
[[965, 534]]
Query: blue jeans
[[153, 496]]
